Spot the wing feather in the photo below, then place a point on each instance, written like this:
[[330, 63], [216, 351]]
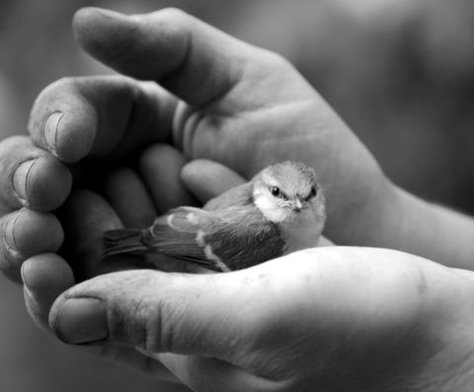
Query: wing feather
[[236, 237]]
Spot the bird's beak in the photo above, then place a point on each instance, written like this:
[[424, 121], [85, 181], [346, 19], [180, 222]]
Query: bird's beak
[[297, 205]]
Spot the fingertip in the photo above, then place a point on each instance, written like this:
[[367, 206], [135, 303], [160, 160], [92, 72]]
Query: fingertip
[[87, 17], [74, 136], [26, 233], [44, 185], [44, 278], [33, 232], [46, 274], [102, 34], [63, 122], [84, 14], [84, 24], [82, 19], [31, 177]]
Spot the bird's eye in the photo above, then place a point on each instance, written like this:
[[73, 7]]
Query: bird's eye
[[312, 193], [276, 191]]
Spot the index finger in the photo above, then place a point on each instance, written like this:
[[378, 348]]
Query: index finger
[[190, 58]]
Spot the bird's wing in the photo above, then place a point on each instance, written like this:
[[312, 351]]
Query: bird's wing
[[226, 239]]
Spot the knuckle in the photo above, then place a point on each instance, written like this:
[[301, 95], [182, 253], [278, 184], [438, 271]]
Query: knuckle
[[160, 328], [136, 314], [173, 15]]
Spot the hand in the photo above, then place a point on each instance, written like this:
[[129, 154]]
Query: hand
[[237, 104], [346, 318], [250, 108], [333, 318], [214, 97], [86, 215]]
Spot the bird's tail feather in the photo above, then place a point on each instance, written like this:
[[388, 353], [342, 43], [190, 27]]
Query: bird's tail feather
[[123, 241]]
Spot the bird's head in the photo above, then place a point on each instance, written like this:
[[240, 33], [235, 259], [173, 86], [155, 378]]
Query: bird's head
[[288, 191]]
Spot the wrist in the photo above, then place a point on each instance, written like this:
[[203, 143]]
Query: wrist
[[430, 230], [390, 217]]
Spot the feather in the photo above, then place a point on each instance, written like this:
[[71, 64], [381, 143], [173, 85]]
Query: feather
[[231, 239], [123, 241]]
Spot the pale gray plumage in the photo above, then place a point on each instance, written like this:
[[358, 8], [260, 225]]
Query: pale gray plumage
[[279, 211]]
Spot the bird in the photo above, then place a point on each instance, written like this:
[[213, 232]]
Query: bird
[[279, 211]]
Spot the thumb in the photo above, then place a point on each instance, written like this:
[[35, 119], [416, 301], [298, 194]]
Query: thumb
[[153, 311]]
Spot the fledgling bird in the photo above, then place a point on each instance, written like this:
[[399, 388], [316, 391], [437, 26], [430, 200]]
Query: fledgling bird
[[281, 210]]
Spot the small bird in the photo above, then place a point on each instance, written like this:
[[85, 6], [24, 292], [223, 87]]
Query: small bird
[[281, 210]]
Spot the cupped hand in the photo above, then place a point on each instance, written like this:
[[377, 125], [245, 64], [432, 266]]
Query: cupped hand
[[331, 318], [211, 96], [127, 200]]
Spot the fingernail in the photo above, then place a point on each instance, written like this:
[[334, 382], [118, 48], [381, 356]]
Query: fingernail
[[51, 129], [9, 237], [24, 277], [20, 180], [81, 321]]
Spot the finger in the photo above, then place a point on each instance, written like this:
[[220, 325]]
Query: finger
[[85, 216], [207, 179], [188, 57], [31, 177], [129, 196], [25, 233], [44, 277], [154, 311], [160, 167], [76, 117]]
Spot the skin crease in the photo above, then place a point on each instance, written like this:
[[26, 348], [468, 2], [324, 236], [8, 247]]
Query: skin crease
[[355, 318]]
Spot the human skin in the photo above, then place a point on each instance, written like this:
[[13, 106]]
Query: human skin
[[331, 318], [239, 105], [250, 108]]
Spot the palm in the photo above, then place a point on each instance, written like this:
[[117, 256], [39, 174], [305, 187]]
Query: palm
[[341, 318]]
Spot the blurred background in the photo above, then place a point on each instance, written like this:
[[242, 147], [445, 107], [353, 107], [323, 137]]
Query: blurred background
[[400, 72]]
